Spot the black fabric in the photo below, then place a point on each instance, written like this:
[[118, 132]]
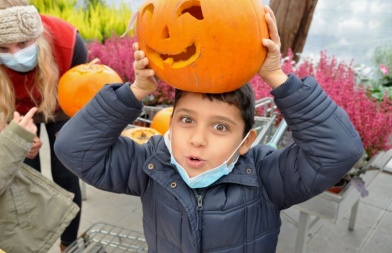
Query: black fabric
[[80, 51]]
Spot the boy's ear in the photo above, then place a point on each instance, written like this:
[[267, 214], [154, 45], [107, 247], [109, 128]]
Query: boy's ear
[[248, 142]]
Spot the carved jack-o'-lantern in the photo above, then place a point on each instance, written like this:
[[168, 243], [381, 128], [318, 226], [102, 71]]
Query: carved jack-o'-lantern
[[203, 45], [140, 134]]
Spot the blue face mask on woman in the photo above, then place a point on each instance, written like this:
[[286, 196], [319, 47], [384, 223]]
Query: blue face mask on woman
[[208, 177], [22, 61]]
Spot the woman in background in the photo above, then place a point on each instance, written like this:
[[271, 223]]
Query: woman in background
[[35, 50]]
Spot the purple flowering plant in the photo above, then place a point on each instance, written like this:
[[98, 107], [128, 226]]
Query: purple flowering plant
[[371, 117]]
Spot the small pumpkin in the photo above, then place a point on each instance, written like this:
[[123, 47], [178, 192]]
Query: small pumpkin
[[79, 85], [203, 45], [140, 134], [161, 120]]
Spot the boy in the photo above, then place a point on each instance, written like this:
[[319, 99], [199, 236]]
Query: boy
[[203, 188]]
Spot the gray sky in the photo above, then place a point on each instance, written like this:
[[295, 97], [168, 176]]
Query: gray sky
[[349, 30]]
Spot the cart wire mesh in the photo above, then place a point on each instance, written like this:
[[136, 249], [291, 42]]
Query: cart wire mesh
[[105, 238]]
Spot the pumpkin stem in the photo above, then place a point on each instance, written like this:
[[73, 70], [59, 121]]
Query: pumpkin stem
[[94, 61], [92, 65]]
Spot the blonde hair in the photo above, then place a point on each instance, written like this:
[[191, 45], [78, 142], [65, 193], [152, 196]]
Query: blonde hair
[[46, 78]]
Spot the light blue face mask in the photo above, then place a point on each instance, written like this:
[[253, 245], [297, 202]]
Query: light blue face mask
[[22, 61], [206, 178]]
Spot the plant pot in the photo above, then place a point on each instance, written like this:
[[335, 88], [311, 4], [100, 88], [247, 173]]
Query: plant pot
[[339, 186]]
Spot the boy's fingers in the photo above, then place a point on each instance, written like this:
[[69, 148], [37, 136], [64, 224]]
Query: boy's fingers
[[139, 54], [135, 46], [272, 28]]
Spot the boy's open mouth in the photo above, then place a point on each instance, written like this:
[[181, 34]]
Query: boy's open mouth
[[195, 162]]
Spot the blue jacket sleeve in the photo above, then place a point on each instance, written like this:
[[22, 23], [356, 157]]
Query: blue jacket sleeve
[[89, 143], [326, 144]]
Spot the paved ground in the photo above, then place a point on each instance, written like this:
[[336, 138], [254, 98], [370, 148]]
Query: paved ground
[[372, 231]]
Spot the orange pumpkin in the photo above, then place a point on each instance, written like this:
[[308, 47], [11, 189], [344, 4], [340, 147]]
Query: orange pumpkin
[[140, 134], [79, 84], [161, 120], [203, 45]]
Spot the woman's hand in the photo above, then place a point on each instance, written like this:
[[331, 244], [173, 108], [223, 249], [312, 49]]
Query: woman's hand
[[271, 70], [145, 81], [37, 144]]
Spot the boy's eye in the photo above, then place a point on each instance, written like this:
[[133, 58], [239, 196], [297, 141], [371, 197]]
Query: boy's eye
[[220, 127], [186, 120]]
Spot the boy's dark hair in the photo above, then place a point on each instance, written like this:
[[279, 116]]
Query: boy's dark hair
[[243, 98]]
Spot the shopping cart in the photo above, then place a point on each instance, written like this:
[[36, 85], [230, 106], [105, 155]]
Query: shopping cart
[[147, 115], [105, 238]]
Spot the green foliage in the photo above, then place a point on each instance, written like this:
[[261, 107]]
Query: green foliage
[[93, 2], [378, 76], [95, 21], [381, 85]]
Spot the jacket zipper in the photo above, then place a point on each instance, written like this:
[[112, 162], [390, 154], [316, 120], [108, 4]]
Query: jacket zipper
[[199, 198]]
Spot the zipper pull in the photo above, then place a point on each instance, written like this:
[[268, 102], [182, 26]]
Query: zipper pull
[[199, 202]]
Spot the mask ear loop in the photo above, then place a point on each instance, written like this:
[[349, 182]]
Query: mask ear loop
[[237, 148]]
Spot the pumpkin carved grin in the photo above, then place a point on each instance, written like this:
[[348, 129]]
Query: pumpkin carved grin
[[186, 57]]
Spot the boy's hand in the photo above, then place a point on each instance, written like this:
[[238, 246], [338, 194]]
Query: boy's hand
[[145, 81], [271, 70], [27, 123]]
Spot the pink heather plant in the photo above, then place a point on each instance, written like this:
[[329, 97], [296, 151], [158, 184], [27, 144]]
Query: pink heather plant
[[117, 53], [371, 118]]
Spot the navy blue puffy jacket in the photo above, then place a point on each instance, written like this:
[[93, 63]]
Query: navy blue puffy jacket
[[241, 211]]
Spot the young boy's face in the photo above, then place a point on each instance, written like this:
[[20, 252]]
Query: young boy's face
[[205, 133]]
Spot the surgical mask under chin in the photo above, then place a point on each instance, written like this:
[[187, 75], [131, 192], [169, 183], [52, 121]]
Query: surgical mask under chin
[[208, 177], [22, 61]]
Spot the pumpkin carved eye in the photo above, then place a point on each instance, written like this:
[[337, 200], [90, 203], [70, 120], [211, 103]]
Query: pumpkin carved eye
[[149, 10], [192, 8]]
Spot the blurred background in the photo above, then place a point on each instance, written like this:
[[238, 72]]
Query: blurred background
[[349, 30]]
